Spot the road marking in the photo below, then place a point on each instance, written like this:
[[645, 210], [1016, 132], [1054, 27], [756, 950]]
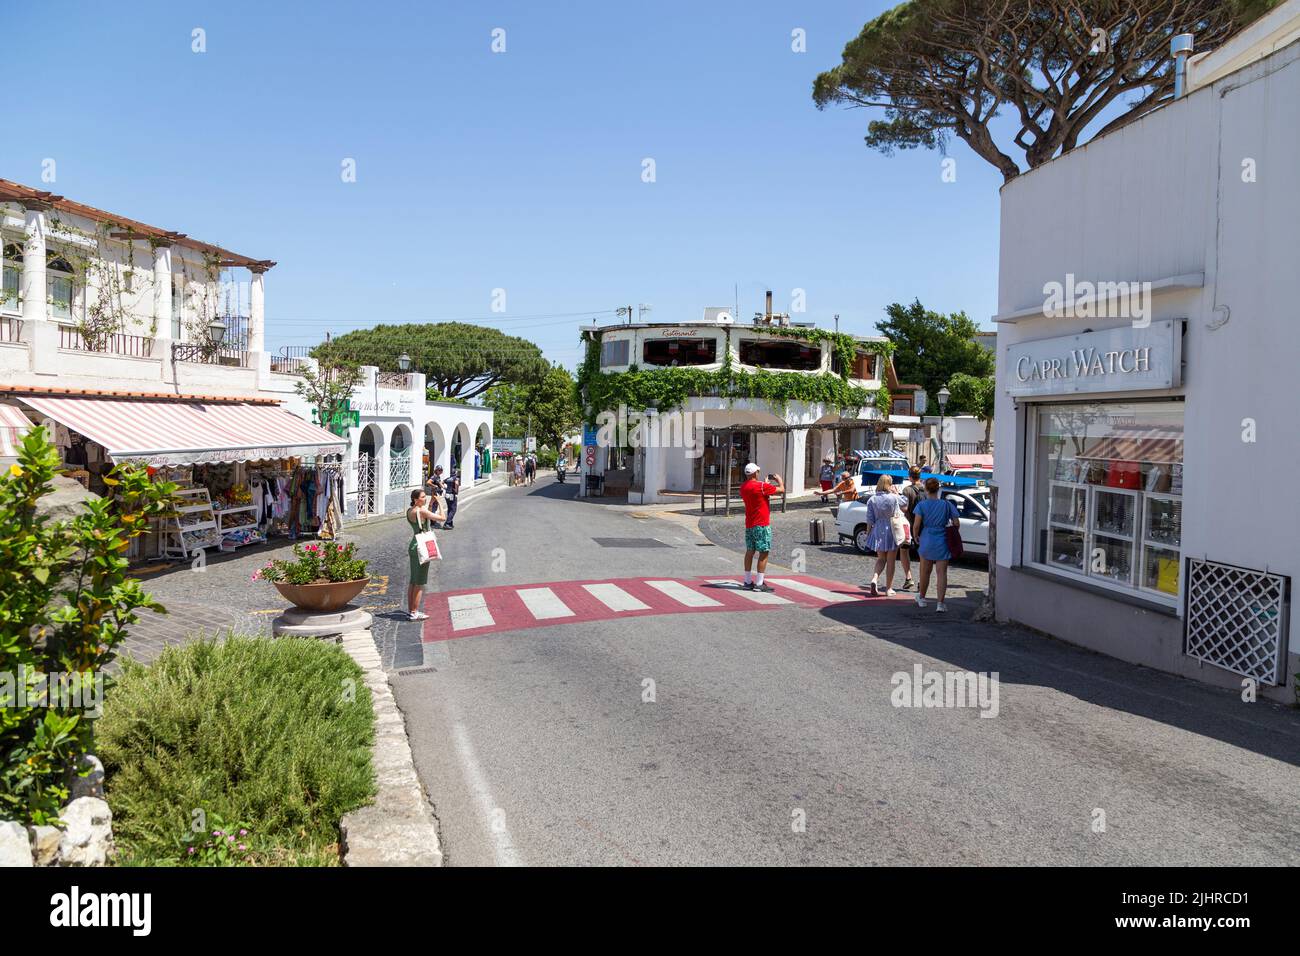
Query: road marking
[[758, 597], [490, 814], [469, 611], [543, 603], [821, 594], [683, 595], [615, 598]]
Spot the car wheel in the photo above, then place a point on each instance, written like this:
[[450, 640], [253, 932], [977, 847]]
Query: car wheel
[[861, 535]]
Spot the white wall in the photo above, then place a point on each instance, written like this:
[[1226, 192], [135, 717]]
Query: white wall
[[1165, 197]]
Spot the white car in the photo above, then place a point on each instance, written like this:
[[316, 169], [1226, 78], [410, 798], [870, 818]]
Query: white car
[[972, 510]]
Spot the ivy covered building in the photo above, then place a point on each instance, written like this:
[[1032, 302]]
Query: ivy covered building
[[713, 395]]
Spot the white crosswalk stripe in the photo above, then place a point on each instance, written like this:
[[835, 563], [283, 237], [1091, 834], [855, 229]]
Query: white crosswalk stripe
[[758, 597], [469, 611], [683, 595], [821, 594], [615, 598], [543, 603]]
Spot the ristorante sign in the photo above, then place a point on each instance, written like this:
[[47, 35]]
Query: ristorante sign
[[1123, 359]]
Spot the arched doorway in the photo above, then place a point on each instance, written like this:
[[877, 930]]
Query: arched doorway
[[367, 447], [435, 445], [482, 452], [460, 447], [399, 459]]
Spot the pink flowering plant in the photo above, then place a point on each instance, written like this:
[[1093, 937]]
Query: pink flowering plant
[[221, 845], [324, 563]]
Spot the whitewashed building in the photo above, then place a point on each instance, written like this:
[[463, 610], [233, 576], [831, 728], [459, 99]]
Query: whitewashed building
[[705, 441], [97, 309], [1146, 432]]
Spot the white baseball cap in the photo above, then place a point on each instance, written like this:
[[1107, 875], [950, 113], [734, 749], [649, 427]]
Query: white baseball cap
[[751, 468]]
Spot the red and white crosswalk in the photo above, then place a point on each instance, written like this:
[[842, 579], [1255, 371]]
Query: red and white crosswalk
[[512, 607]]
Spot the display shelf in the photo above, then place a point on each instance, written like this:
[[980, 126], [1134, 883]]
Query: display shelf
[[1162, 523], [1113, 512], [246, 530], [1067, 505], [182, 538]]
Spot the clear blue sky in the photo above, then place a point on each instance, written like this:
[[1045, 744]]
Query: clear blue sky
[[519, 170]]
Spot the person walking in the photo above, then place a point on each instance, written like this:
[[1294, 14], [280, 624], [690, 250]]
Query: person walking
[[758, 524], [884, 511], [913, 493], [518, 470], [934, 516], [530, 468], [827, 477], [421, 519], [451, 492]]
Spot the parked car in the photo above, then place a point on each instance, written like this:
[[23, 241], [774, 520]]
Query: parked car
[[972, 510], [980, 474]]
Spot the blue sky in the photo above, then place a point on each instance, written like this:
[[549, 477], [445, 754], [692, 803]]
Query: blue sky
[[519, 170]]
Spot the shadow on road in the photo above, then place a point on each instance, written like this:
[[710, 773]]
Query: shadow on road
[[1023, 657]]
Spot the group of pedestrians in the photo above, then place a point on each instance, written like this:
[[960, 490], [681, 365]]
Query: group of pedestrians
[[523, 470], [905, 525], [910, 524]]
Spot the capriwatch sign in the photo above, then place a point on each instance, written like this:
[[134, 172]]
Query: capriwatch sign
[[1124, 359]]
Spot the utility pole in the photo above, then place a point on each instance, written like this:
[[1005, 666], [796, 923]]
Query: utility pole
[[837, 322]]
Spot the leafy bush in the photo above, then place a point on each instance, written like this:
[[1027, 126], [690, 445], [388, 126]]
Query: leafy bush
[[65, 605], [316, 564], [274, 734]]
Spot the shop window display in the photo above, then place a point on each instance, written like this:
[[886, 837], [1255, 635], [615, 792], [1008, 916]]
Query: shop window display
[[1108, 494]]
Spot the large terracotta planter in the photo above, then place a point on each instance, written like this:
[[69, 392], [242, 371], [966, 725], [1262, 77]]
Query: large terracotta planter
[[322, 598]]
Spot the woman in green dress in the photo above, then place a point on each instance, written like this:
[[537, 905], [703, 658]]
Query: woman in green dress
[[421, 519]]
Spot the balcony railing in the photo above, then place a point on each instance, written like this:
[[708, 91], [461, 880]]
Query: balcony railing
[[110, 343], [11, 329], [399, 380], [292, 360], [209, 355]]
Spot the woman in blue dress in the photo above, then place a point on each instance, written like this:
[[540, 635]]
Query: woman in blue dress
[[933, 516], [882, 507]]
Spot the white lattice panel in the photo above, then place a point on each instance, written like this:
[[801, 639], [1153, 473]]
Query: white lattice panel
[[1237, 619]]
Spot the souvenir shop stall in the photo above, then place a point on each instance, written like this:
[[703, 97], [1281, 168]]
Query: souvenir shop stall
[[246, 471], [228, 505]]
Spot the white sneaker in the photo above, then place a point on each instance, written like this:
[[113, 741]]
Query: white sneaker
[[941, 608], [419, 616], [920, 601], [890, 593], [875, 589]]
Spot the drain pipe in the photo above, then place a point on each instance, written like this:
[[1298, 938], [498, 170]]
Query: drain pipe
[[1180, 48]]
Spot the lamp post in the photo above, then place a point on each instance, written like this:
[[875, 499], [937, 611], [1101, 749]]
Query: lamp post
[[944, 395], [404, 362], [198, 351]]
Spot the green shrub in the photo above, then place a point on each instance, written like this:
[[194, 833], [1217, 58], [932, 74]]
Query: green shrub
[[65, 605], [274, 734]]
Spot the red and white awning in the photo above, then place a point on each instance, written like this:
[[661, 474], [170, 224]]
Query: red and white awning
[[188, 433], [13, 424], [969, 461]]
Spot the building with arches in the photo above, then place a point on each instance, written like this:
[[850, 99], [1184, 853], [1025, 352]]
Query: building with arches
[[397, 437]]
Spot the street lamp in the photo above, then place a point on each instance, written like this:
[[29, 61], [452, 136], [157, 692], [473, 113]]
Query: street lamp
[[944, 395], [201, 351], [404, 362]]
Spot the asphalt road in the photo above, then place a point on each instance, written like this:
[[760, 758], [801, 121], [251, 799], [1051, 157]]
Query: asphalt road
[[771, 738]]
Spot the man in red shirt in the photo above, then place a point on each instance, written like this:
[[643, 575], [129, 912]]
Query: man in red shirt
[[758, 523]]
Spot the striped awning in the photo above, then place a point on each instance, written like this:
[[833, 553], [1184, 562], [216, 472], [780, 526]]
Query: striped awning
[[188, 433], [13, 423]]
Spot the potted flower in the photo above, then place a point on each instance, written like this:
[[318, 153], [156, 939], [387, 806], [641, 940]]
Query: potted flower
[[322, 577]]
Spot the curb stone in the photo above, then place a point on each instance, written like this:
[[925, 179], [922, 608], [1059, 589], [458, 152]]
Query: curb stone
[[398, 828]]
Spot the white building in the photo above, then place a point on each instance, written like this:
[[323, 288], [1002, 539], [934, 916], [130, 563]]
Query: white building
[[98, 309], [688, 447], [1147, 443]]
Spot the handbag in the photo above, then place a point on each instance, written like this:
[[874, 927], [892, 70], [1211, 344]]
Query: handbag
[[953, 537], [898, 524], [426, 547]]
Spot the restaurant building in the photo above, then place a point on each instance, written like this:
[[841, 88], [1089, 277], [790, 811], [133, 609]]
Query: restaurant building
[[711, 396], [1146, 377]]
